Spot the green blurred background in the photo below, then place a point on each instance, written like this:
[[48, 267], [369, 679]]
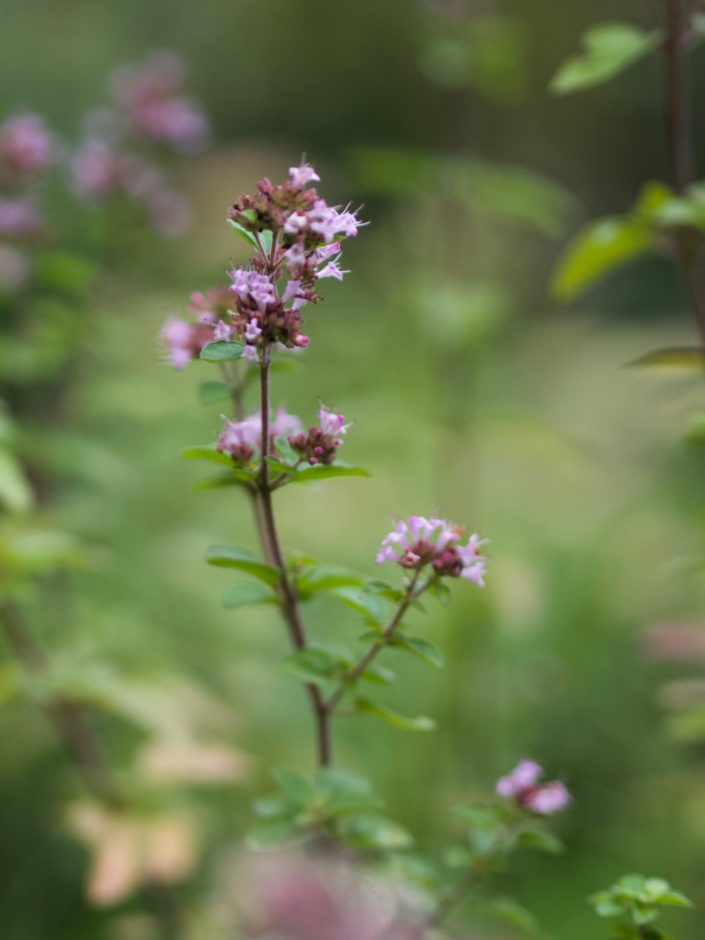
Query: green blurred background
[[472, 393]]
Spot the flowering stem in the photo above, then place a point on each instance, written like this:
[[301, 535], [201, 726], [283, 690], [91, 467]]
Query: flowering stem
[[410, 595], [272, 548], [680, 146]]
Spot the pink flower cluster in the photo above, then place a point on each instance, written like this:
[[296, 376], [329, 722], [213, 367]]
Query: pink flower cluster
[[99, 172], [151, 97], [149, 106], [319, 445], [305, 238], [185, 339], [27, 148], [419, 542], [522, 785], [241, 440]]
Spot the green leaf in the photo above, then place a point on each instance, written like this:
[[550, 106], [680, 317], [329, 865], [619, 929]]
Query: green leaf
[[266, 237], [370, 831], [230, 556], [210, 393], [285, 450], [243, 232], [232, 478], [337, 782], [420, 723], [296, 789], [245, 592], [379, 675], [370, 606], [418, 647], [676, 357], [339, 468], [597, 250], [222, 351], [540, 839], [317, 663], [609, 49], [625, 932], [15, 491], [325, 578], [207, 452], [511, 912]]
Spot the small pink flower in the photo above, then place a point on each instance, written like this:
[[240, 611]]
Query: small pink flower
[[303, 175], [522, 785], [222, 331], [331, 423]]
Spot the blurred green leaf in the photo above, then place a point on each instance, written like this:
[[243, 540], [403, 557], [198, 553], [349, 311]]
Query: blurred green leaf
[[222, 351], [609, 49], [318, 663], [420, 723], [511, 912], [598, 249], [339, 468], [419, 647], [371, 831], [245, 592], [15, 491], [230, 556], [539, 839], [371, 606], [207, 452], [678, 357], [379, 675], [325, 578]]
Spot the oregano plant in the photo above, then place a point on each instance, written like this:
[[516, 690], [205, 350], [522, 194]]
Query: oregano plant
[[245, 330]]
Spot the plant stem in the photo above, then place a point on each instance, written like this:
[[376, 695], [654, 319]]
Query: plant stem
[[680, 148], [264, 513], [410, 595]]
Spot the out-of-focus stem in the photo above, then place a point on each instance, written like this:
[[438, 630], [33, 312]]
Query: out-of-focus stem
[[680, 147], [264, 513]]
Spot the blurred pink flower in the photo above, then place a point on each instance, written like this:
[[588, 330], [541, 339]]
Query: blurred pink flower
[[152, 98], [27, 146], [292, 896], [522, 785]]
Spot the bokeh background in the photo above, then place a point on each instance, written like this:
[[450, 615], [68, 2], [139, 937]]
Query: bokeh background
[[472, 392]]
